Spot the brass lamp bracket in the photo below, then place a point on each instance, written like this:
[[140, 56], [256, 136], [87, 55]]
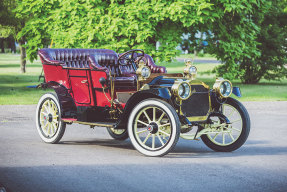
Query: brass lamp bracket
[[186, 70], [141, 65]]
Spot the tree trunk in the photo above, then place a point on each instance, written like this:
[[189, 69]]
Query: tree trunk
[[2, 45], [194, 51], [12, 44], [23, 55]]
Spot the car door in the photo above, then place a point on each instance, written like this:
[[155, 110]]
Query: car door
[[79, 81]]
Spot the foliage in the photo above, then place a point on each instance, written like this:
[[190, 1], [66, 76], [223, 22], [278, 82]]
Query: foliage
[[123, 25], [261, 53], [6, 20], [238, 32], [6, 31], [10, 25], [272, 43]]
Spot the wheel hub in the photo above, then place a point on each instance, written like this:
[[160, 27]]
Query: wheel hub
[[152, 128], [50, 118]]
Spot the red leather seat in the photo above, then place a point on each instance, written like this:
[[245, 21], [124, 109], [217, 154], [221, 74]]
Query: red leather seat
[[99, 60]]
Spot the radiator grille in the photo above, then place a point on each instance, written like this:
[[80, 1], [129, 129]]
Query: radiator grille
[[198, 103]]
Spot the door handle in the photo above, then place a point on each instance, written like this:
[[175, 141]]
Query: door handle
[[84, 81]]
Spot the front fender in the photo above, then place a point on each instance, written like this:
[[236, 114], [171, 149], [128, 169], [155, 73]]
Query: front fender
[[163, 93], [159, 93]]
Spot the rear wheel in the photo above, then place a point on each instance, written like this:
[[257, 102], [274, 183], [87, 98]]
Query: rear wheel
[[118, 134], [48, 119], [153, 127], [228, 137]]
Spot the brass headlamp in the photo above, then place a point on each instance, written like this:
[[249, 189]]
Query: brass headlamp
[[190, 71], [222, 87], [181, 89], [143, 71]]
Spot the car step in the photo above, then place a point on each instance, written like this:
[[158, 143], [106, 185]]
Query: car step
[[98, 124]]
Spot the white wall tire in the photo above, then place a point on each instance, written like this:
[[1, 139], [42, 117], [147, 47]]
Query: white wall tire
[[153, 127], [48, 119]]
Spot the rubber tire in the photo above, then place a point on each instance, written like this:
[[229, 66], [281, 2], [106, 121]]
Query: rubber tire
[[62, 126], [120, 137], [174, 121], [244, 134]]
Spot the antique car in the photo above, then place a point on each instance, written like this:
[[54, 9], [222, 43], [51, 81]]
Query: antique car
[[134, 98]]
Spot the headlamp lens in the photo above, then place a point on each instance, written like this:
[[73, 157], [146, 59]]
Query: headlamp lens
[[145, 72], [192, 70], [183, 90], [225, 88]]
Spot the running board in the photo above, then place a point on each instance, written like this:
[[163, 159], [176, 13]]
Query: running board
[[98, 124]]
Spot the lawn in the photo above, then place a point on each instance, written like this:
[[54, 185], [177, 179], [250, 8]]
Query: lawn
[[13, 84], [14, 91]]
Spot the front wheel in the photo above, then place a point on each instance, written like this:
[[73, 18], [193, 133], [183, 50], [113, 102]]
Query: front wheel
[[48, 119], [153, 127], [226, 137]]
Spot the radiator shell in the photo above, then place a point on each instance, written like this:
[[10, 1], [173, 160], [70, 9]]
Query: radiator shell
[[197, 106]]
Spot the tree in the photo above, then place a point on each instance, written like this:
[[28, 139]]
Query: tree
[[272, 43], [264, 53], [12, 25], [125, 24]]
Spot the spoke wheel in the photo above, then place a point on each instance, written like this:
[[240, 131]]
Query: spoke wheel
[[153, 127], [48, 119], [118, 134], [228, 137]]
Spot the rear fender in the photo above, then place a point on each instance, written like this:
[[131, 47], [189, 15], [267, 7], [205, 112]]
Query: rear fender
[[66, 101], [159, 93]]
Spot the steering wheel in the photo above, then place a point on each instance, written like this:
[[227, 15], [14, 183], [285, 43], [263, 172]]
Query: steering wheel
[[131, 57]]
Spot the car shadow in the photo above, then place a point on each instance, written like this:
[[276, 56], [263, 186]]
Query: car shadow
[[187, 149], [252, 148], [102, 142]]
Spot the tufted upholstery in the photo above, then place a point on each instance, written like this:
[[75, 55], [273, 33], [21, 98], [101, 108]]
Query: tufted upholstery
[[76, 58], [106, 62], [123, 76]]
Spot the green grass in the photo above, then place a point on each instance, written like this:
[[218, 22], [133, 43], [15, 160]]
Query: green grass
[[13, 84], [14, 91], [205, 57]]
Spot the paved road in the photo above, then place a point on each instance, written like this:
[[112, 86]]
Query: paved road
[[89, 160]]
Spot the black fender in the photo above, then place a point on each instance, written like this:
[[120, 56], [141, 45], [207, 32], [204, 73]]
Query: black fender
[[68, 106], [215, 101], [159, 93]]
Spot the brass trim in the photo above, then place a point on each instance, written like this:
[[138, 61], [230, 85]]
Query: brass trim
[[216, 87], [90, 123], [188, 65], [175, 88], [198, 118], [145, 87], [198, 82], [168, 77], [139, 71]]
